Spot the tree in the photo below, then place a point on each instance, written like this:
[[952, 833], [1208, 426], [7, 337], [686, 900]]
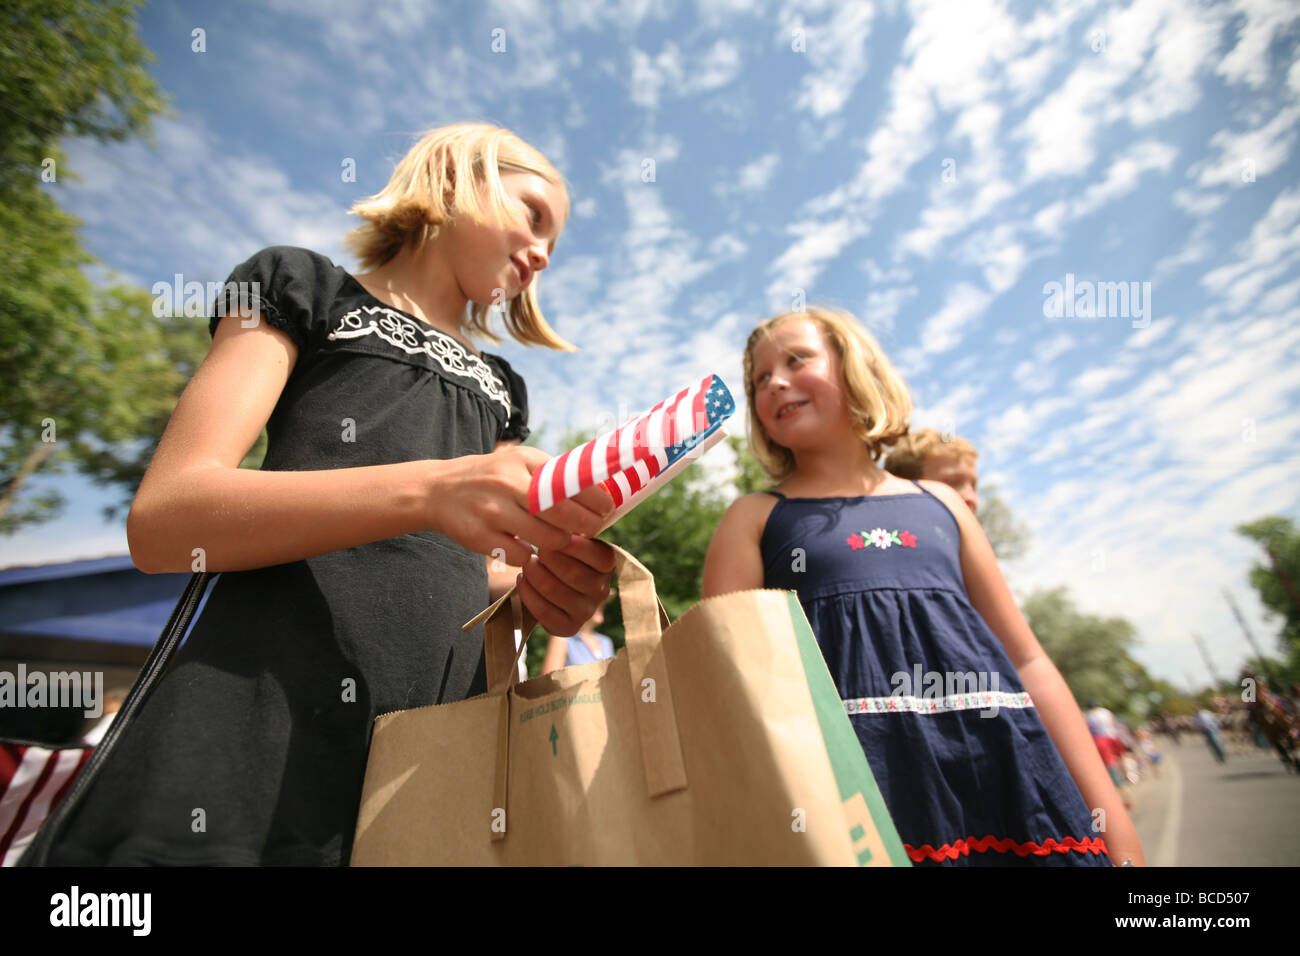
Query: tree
[[85, 370], [1092, 653], [1010, 539], [1277, 579], [750, 476]]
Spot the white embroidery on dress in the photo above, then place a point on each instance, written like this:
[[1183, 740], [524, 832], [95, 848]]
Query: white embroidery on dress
[[396, 329]]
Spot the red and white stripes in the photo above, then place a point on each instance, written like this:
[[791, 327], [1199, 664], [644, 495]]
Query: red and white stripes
[[626, 459], [32, 780]]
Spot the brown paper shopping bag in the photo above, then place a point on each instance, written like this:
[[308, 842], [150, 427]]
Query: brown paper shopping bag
[[717, 740]]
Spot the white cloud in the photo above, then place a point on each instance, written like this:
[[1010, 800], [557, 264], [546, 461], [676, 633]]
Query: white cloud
[[954, 412], [1248, 60], [677, 74], [1271, 249], [1018, 425], [883, 305], [819, 244], [1152, 333], [1166, 41], [835, 51], [1032, 376], [1096, 379], [998, 254], [751, 179], [1244, 157], [1122, 176], [754, 176], [964, 304]]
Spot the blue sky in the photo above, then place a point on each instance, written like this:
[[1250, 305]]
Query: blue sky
[[931, 167]]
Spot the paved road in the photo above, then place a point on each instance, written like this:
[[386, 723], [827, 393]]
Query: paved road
[[1198, 812]]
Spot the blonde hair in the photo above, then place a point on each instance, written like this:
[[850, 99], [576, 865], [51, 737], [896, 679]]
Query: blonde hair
[[877, 397], [913, 451], [438, 179]]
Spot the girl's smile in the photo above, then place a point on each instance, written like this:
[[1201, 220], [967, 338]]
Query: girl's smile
[[489, 260], [798, 388]]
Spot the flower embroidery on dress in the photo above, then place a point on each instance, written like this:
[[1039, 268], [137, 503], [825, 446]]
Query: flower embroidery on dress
[[413, 339], [881, 539]]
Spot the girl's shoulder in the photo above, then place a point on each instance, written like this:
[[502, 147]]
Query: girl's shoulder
[[759, 504], [949, 498], [290, 286], [290, 261], [747, 516]]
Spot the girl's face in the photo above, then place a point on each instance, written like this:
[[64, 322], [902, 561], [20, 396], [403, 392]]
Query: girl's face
[[959, 472], [493, 264], [798, 386]]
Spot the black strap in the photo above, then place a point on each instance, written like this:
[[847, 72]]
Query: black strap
[[38, 851]]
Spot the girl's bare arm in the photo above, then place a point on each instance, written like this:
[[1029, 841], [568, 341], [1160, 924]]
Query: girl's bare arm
[[194, 501], [1056, 706], [734, 561]]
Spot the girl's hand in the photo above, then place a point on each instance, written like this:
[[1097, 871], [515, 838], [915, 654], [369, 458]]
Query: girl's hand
[[563, 587], [481, 502]]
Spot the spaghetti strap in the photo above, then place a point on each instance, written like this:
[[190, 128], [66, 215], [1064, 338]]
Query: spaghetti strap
[[777, 493], [924, 491]]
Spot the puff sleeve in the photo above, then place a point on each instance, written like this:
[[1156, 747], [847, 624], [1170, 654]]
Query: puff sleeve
[[283, 283], [517, 427]]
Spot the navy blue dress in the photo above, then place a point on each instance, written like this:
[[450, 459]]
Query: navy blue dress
[[966, 767]]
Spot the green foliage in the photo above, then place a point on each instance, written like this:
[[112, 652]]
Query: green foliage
[[1092, 653], [1277, 576], [1010, 538], [93, 363], [750, 476], [68, 68], [1170, 700]]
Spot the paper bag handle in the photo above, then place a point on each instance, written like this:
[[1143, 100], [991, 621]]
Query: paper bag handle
[[644, 622]]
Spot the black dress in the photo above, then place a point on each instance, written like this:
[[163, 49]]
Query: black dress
[[252, 750]]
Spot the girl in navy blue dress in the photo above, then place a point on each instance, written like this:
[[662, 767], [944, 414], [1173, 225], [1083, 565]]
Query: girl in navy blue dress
[[979, 749]]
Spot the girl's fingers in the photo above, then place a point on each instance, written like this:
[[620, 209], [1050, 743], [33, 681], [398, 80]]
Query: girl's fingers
[[510, 550], [571, 587], [596, 499], [572, 573], [592, 552], [550, 615], [573, 516], [534, 530]]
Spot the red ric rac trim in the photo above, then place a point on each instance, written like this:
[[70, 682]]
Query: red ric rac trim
[[950, 851]]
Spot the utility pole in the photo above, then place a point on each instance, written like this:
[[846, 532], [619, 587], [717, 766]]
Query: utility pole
[[1209, 666], [1250, 638]]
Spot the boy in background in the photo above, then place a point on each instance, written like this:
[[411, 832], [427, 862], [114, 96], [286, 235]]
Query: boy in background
[[927, 455]]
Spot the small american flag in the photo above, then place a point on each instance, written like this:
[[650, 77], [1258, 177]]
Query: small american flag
[[33, 780], [627, 459]]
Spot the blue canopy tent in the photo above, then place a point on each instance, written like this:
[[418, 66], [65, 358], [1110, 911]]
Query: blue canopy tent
[[101, 614]]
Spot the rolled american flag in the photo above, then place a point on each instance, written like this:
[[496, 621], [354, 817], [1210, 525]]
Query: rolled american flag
[[627, 460], [33, 781]]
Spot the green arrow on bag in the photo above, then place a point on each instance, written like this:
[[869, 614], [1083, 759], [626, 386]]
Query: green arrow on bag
[[554, 737]]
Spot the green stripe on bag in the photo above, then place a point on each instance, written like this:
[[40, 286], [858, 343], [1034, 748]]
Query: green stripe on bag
[[852, 772]]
